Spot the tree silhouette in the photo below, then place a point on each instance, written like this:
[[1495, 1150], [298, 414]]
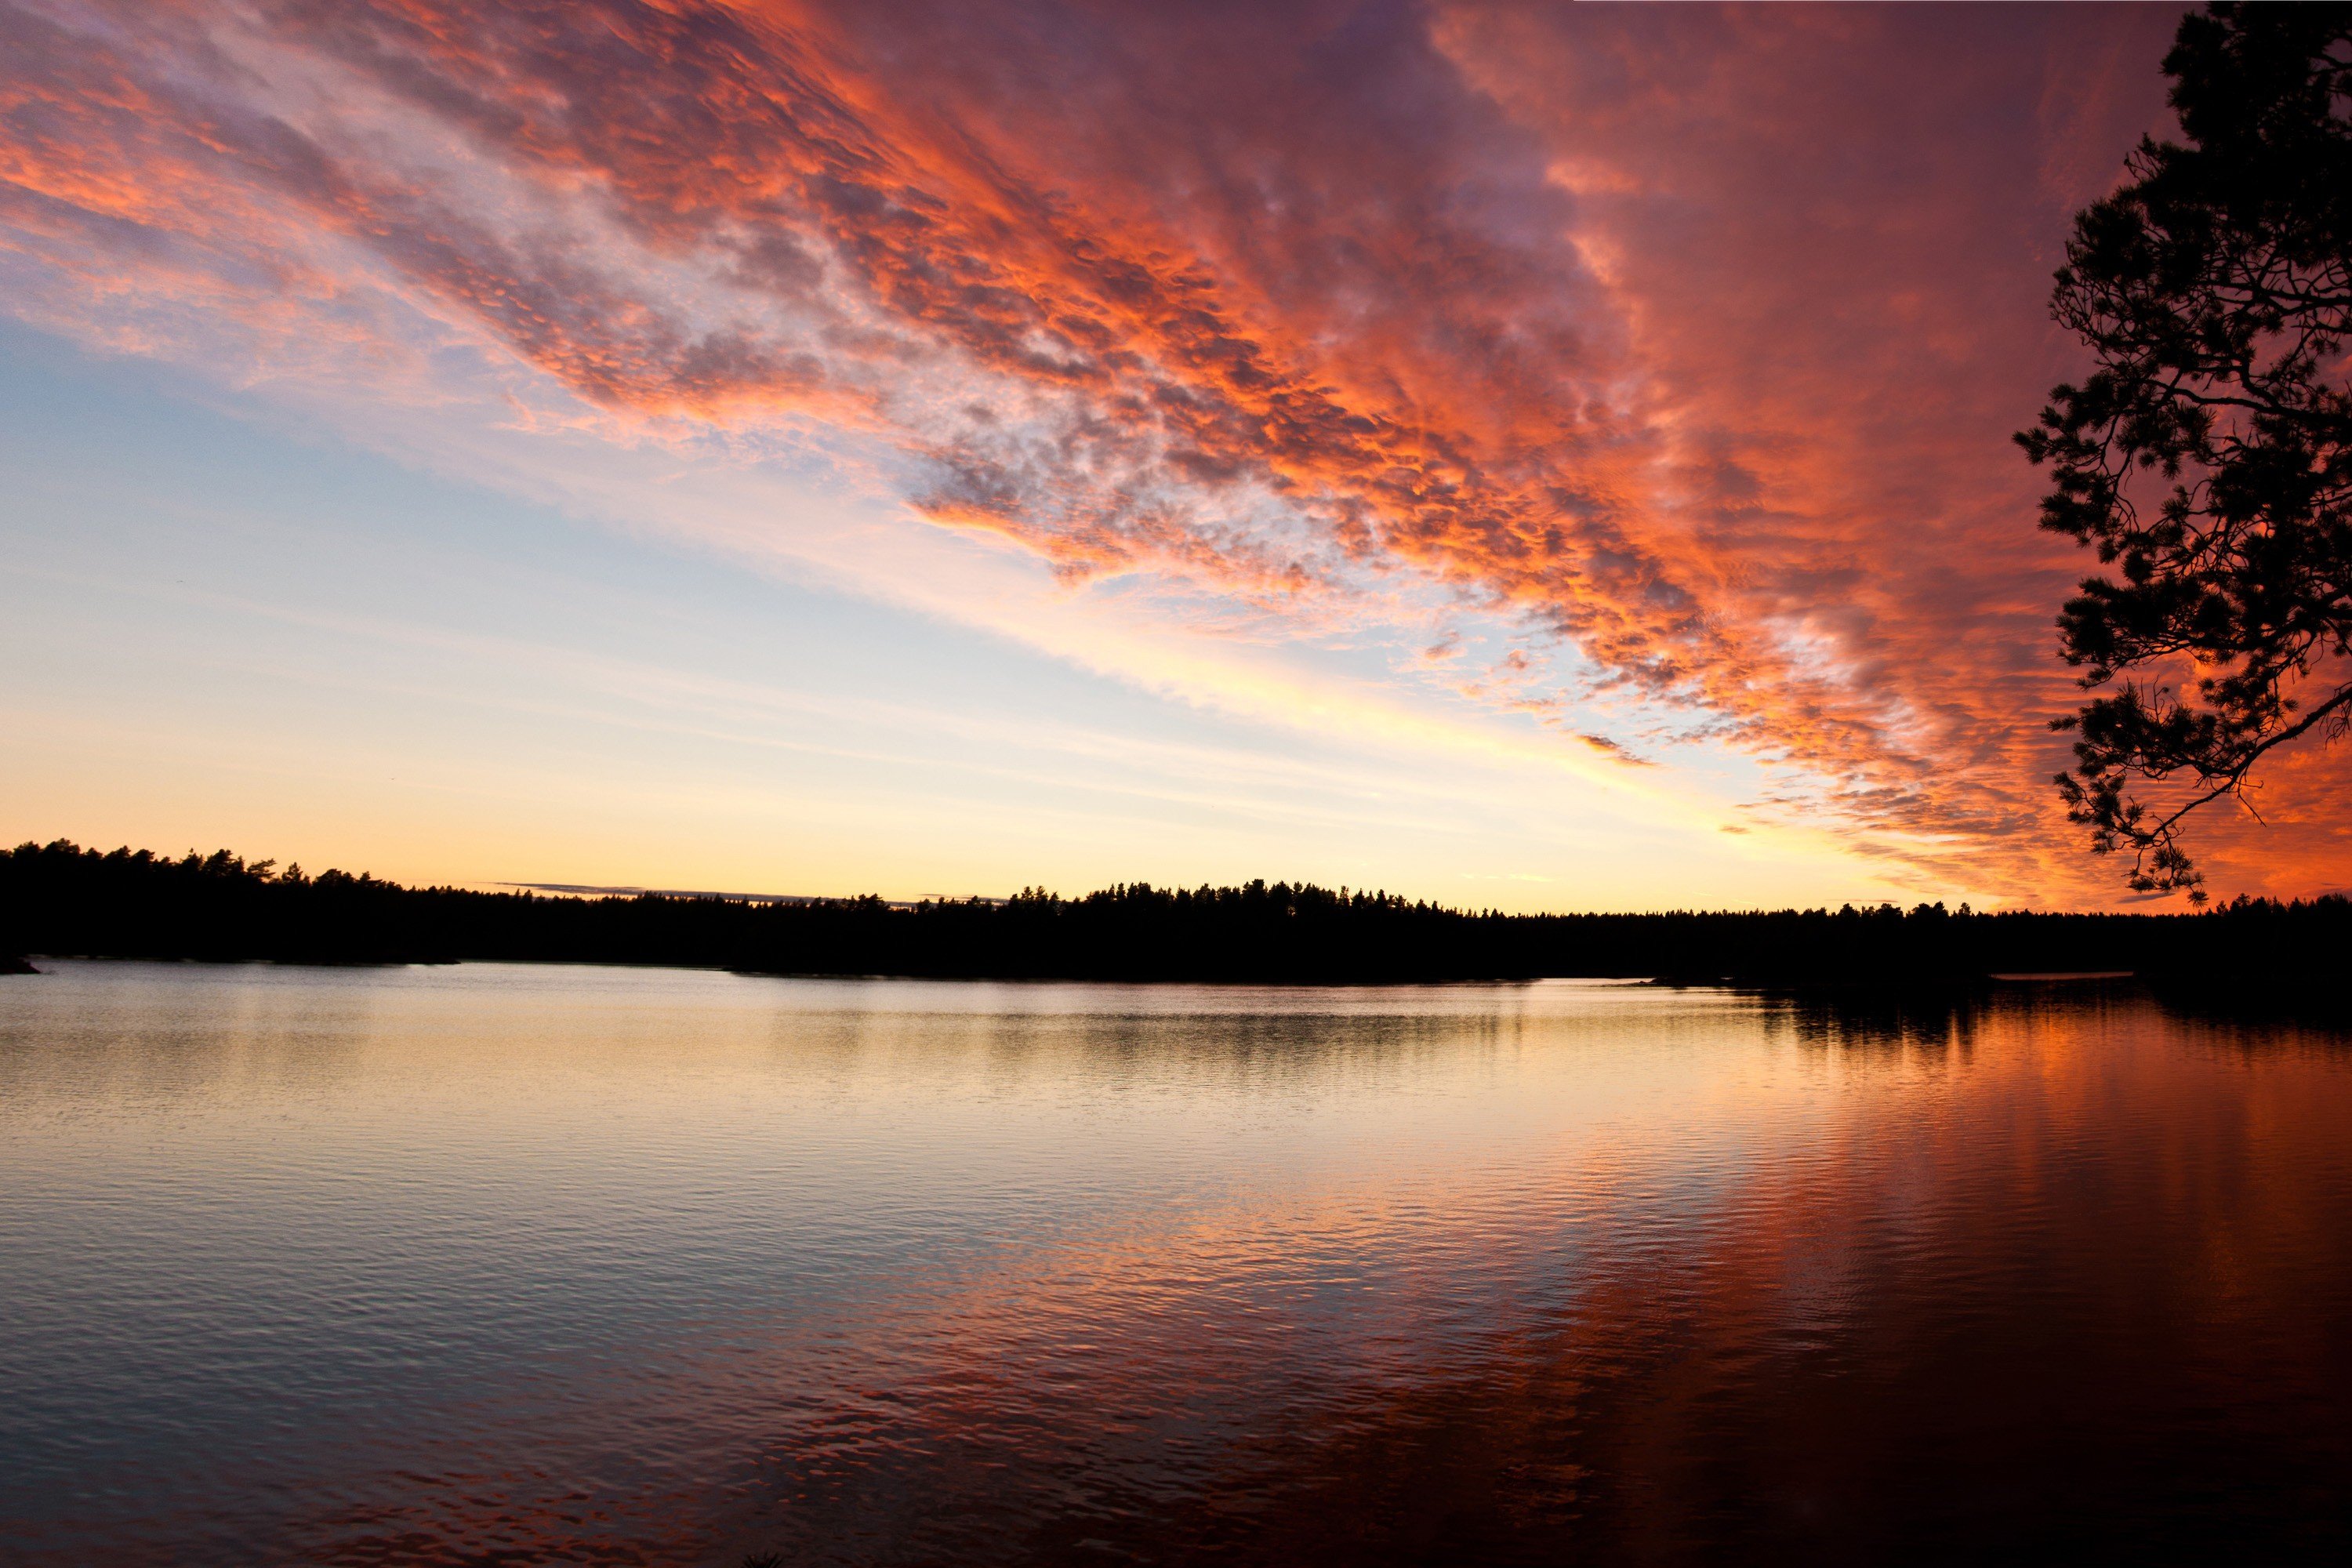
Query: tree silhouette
[[2215, 291], [60, 899]]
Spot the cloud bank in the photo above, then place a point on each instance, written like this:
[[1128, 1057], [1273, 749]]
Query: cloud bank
[[1668, 354]]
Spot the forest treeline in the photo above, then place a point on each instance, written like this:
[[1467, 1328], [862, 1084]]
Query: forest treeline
[[58, 898]]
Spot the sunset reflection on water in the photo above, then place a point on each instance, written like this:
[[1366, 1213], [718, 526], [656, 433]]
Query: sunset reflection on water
[[522, 1265]]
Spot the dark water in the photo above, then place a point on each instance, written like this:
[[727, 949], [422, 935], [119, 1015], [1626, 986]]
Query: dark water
[[511, 1265]]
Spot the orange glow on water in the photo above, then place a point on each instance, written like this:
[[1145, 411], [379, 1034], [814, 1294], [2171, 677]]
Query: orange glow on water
[[645, 1267]]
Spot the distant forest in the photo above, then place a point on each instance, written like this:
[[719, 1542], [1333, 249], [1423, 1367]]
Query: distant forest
[[60, 899]]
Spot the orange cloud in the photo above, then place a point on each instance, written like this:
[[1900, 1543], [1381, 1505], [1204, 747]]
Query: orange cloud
[[1687, 339]]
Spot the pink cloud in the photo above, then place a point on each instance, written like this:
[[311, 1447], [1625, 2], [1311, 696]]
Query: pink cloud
[[1690, 338]]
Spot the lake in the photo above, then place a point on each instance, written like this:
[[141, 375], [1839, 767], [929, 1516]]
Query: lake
[[500, 1264]]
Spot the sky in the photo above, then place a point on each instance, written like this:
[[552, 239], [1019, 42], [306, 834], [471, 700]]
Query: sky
[[1525, 457]]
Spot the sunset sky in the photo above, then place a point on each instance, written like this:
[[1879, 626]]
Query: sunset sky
[[1529, 457]]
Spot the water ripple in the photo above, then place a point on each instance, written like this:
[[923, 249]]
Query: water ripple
[[499, 1264]]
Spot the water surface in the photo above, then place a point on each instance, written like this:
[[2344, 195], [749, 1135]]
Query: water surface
[[512, 1265]]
